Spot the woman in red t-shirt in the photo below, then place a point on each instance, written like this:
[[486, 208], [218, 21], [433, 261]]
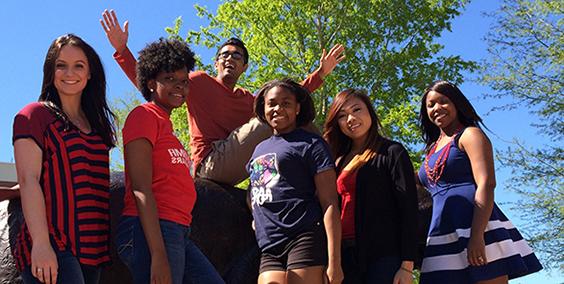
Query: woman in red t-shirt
[[153, 234], [61, 147], [377, 188]]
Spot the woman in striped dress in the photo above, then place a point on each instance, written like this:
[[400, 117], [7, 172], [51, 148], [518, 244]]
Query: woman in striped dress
[[61, 147], [470, 240]]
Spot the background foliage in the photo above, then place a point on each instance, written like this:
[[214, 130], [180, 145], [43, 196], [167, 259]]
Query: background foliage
[[390, 48], [526, 48]]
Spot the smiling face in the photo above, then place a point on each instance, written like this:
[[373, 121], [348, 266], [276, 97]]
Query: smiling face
[[354, 120], [170, 89], [281, 110], [230, 64], [441, 110], [72, 71]]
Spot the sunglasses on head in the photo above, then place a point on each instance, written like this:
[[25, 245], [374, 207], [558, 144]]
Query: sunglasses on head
[[235, 55]]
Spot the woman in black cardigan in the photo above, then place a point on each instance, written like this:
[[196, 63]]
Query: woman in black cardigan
[[378, 195]]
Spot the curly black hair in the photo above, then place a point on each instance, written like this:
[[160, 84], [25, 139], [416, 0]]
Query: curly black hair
[[164, 55], [307, 109]]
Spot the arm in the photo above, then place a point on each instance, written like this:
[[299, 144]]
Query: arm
[[479, 149], [138, 158], [7, 193], [405, 193], [327, 63], [118, 39], [326, 186], [28, 157]]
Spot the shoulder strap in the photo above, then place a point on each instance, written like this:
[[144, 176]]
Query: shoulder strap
[[457, 137]]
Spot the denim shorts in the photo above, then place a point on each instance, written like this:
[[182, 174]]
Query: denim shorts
[[187, 263]]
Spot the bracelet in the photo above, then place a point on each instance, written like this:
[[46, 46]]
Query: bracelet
[[407, 270]]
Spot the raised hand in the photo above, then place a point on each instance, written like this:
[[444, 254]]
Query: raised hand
[[116, 35], [329, 60]]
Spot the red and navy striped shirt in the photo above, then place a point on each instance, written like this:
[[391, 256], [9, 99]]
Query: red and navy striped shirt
[[75, 183]]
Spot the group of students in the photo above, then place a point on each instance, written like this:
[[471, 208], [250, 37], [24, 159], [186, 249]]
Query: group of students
[[336, 207]]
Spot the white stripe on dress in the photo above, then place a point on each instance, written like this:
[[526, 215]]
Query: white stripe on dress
[[494, 251], [465, 233]]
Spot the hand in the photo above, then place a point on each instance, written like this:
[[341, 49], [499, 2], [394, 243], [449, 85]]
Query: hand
[[116, 36], [160, 270], [44, 264], [329, 60], [403, 276], [476, 251], [334, 274]]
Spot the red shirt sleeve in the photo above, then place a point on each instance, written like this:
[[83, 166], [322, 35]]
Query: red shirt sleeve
[[127, 62], [140, 123], [313, 81], [31, 122]]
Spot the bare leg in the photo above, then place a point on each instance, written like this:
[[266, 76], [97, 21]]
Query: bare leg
[[272, 277], [499, 280], [306, 275]]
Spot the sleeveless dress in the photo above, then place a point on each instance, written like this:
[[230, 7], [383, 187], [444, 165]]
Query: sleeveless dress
[[444, 260]]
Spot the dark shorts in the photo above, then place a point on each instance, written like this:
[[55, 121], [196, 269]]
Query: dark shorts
[[305, 250]]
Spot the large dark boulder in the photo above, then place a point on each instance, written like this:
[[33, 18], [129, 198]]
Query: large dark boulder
[[221, 227]]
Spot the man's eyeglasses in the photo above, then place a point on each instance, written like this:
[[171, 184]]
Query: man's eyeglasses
[[235, 55]]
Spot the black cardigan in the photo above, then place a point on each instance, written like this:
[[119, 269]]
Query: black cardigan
[[386, 206]]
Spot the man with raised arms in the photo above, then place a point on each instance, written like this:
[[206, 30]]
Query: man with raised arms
[[223, 130]]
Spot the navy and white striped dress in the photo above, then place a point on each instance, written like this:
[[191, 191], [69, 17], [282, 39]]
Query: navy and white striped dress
[[445, 259]]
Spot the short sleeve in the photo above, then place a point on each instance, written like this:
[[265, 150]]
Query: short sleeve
[[140, 123], [31, 122], [319, 156]]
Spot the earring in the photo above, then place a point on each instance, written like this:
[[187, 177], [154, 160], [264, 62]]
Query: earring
[[151, 90]]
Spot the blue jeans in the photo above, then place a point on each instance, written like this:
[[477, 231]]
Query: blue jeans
[[187, 263], [70, 271]]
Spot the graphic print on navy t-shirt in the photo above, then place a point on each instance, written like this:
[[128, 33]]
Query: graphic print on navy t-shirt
[[264, 175]]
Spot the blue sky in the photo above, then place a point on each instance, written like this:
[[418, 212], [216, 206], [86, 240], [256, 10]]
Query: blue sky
[[28, 28]]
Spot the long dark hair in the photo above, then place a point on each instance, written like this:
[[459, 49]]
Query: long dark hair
[[93, 101], [307, 109], [466, 113], [339, 143]]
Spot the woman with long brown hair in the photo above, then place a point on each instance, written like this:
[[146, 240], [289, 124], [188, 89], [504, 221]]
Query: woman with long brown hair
[[61, 147], [378, 194]]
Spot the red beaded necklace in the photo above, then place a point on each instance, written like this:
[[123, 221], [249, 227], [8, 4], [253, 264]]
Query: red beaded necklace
[[434, 173]]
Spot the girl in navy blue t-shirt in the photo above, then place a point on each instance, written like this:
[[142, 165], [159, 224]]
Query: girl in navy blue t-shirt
[[293, 191]]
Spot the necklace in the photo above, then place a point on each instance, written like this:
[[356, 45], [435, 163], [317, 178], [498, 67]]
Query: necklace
[[434, 173]]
